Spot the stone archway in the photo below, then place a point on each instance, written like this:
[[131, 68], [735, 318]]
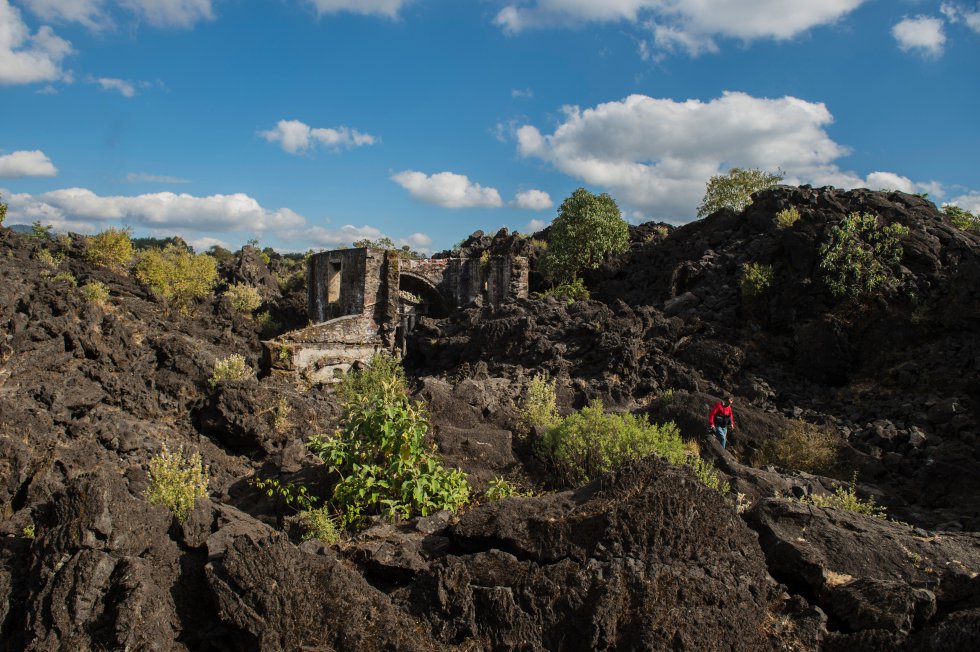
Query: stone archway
[[432, 303]]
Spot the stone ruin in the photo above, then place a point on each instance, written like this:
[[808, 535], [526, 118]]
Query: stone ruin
[[364, 300]]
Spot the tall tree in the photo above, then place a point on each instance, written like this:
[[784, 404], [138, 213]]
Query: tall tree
[[734, 190], [588, 227]]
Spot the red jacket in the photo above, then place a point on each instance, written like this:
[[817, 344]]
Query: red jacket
[[721, 409]]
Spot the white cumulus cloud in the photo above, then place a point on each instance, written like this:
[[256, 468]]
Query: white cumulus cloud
[[296, 137], [33, 163], [447, 189], [90, 13], [170, 13], [657, 154], [320, 236], [27, 58], [121, 86], [164, 210], [968, 202], [535, 225], [956, 13], [683, 24], [535, 200], [922, 35], [389, 8]]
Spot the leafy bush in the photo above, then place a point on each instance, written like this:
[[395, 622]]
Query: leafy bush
[[734, 190], [787, 217], [499, 488], [320, 524], [846, 499], [243, 297], [95, 292], [708, 475], [41, 231], [28, 531], [177, 275], [539, 410], [47, 259], [3, 211], [233, 367], [568, 292], [65, 277], [756, 279], [590, 442], [381, 371], [857, 258], [112, 249], [588, 227], [268, 325], [961, 219], [177, 481], [802, 446], [381, 455]]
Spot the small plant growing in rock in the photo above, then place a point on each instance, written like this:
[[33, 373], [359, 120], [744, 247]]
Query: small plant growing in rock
[[280, 419], [112, 249], [539, 409], [47, 259], [734, 190], [708, 475], [176, 481], [755, 280], [65, 277], [231, 368], [243, 297], [858, 257], [802, 446], [268, 326], [961, 219], [846, 499], [499, 488], [176, 275], [28, 531], [41, 231], [569, 292], [95, 292], [3, 211], [787, 217], [320, 524]]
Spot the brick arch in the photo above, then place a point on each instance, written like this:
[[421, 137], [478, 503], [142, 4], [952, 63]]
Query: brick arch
[[434, 303]]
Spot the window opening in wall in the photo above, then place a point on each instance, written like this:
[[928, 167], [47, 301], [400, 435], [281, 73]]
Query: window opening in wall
[[334, 270]]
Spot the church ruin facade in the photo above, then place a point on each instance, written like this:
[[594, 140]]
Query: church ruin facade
[[365, 300]]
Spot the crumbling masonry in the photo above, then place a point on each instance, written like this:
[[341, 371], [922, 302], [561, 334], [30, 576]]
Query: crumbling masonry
[[366, 300]]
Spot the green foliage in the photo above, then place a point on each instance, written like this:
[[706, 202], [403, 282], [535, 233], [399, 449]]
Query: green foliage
[[846, 499], [381, 371], [220, 254], [112, 249], [177, 275], [858, 257], [3, 211], [268, 325], [177, 481], [293, 495], [95, 292], [787, 217], [568, 292], [708, 475], [588, 227], [233, 367], [41, 231], [28, 531], [539, 410], [47, 259], [755, 280], [320, 524], [65, 277], [161, 243], [387, 244], [961, 219], [802, 446], [734, 190], [499, 488], [381, 455], [590, 442], [243, 297]]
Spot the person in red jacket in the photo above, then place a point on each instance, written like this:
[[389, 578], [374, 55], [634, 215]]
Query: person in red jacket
[[722, 421]]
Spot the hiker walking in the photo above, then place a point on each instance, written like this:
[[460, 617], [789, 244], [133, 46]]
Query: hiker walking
[[721, 420]]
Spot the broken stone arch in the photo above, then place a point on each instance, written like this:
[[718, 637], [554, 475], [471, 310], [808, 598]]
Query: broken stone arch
[[431, 302]]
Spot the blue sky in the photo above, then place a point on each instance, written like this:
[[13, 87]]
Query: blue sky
[[310, 123]]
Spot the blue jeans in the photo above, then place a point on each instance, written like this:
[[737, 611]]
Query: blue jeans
[[722, 434]]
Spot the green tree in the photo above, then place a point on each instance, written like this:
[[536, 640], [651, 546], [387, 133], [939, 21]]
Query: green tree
[[734, 190], [389, 245], [588, 227], [3, 211], [961, 219]]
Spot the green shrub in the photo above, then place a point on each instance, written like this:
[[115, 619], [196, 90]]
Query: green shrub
[[243, 297], [28, 531], [47, 259], [176, 275], [3, 211], [961, 219], [381, 455], [588, 443], [177, 481], [708, 475], [802, 446], [112, 249], [787, 217], [734, 190], [846, 499], [320, 524], [858, 257], [233, 367], [499, 488], [268, 325], [65, 277], [539, 409], [41, 231], [95, 292], [755, 280], [381, 371], [569, 292]]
